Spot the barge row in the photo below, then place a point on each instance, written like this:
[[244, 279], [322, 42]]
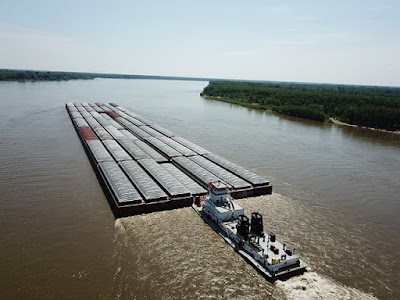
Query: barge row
[[143, 167]]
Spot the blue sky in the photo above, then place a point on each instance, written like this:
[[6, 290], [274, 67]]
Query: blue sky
[[351, 42]]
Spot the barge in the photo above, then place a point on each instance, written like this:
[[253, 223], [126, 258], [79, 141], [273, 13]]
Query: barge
[[260, 248], [143, 167]]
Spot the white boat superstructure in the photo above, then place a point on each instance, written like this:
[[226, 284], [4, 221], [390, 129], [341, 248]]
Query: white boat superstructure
[[269, 256]]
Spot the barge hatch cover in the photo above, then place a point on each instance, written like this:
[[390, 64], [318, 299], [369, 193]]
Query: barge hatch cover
[[190, 145], [225, 175], [192, 185], [122, 188], [164, 148], [144, 183], [99, 152], [133, 149], [173, 187], [247, 175], [177, 146], [116, 150], [150, 151], [202, 175]]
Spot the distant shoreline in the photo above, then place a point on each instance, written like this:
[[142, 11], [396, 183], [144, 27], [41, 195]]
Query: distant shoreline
[[34, 76], [165, 77], [374, 108], [256, 106], [255, 97]]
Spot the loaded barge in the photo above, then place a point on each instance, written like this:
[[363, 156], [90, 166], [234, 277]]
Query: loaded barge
[[261, 249], [144, 167]]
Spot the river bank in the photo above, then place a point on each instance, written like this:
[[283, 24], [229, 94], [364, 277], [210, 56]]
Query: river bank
[[369, 107], [329, 120], [337, 122]]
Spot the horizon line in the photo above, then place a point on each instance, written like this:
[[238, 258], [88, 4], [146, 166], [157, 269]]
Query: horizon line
[[194, 78]]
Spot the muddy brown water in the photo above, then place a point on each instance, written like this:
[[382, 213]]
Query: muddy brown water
[[336, 199]]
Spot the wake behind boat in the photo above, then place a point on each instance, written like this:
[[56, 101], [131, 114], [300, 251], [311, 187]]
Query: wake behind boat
[[268, 255]]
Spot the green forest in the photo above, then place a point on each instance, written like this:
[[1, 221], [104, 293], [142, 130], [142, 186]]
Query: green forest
[[29, 75], [22, 75], [375, 107]]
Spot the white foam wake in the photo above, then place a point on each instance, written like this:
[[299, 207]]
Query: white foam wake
[[311, 285]]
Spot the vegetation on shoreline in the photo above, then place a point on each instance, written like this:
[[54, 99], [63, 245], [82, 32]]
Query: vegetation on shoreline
[[28, 75], [369, 106], [22, 75], [375, 107]]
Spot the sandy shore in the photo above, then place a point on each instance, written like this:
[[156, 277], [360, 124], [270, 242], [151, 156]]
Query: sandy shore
[[337, 122]]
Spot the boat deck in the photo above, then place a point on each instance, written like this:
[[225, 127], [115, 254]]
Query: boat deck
[[284, 272], [267, 245]]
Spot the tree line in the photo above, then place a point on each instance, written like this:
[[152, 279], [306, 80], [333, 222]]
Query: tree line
[[376, 107], [22, 75], [28, 75]]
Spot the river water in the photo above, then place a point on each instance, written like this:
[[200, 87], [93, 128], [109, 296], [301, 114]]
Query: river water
[[336, 198]]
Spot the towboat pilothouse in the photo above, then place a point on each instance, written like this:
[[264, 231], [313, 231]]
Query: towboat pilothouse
[[269, 256]]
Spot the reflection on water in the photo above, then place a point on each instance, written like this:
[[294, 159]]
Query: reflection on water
[[336, 199]]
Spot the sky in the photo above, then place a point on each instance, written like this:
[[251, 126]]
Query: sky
[[349, 42]]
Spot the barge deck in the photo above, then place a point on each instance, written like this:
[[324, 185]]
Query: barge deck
[[143, 167]]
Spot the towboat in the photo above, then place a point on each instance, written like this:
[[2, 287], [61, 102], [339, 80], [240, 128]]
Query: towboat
[[269, 257]]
